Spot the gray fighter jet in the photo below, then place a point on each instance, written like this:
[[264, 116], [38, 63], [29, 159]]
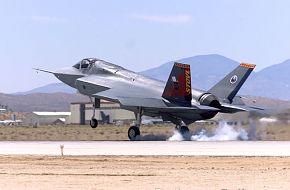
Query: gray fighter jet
[[174, 101]]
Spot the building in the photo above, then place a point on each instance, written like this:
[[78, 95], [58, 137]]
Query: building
[[109, 112], [46, 118]]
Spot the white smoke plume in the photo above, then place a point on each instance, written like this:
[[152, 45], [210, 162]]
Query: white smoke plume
[[223, 132], [177, 136]]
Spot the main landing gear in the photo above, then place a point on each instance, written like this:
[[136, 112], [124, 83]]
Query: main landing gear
[[134, 131], [182, 128]]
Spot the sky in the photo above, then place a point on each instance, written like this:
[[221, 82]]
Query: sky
[[137, 35]]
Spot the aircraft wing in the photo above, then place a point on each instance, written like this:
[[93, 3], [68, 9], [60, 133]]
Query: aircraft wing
[[151, 104], [160, 105], [110, 88], [109, 94], [132, 98], [180, 110]]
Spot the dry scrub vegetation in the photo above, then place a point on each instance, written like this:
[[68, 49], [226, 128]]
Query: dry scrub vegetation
[[112, 132]]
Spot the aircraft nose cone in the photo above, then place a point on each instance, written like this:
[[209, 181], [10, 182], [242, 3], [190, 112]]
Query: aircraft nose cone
[[68, 71], [68, 75]]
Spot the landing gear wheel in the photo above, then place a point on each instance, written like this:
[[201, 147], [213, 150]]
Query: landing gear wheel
[[133, 132], [183, 130], [94, 123]]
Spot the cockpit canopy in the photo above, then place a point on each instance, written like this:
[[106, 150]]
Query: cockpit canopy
[[93, 66], [85, 63], [99, 66]]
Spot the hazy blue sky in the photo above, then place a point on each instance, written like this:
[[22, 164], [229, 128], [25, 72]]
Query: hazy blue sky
[[135, 34]]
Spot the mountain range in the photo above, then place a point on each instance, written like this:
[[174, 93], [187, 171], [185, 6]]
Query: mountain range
[[206, 70], [50, 88]]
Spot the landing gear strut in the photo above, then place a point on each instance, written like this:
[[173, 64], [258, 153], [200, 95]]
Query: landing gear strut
[[96, 104], [182, 128], [134, 131]]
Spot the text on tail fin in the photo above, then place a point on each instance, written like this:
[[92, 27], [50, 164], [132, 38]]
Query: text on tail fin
[[178, 86]]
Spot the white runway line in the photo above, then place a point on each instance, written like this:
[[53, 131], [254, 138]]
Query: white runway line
[[147, 148]]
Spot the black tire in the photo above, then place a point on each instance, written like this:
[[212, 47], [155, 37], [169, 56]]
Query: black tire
[[94, 123], [183, 130], [133, 132]]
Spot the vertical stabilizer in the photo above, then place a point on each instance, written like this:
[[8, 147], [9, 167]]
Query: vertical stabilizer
[[178, 86], [228, 87]]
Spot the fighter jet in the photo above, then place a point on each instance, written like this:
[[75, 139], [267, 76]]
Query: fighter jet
[[175, 101]]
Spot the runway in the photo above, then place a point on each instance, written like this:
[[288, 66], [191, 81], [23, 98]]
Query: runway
[[146, 148]]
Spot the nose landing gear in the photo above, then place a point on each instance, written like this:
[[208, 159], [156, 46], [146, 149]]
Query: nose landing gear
[[134, 131], [96, 104], [94, 123], [182, 128]]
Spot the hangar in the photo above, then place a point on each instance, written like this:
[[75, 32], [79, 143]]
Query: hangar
[[46, 118], [108, 112]]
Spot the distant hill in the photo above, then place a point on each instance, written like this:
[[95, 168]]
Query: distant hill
[[206, 70], [273, 82], [41, 101], [50, 88]]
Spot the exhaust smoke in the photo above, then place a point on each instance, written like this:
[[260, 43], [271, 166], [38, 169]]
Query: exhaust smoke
[[223, 132], [177, 136]]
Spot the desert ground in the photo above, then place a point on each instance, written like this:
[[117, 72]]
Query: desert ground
[[113, 132], [139, 172], [148, 173]]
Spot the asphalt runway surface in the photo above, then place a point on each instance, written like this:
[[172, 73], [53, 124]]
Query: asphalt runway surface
[[146, 148]]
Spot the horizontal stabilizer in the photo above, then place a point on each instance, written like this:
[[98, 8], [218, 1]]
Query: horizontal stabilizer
[[228, 108]]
